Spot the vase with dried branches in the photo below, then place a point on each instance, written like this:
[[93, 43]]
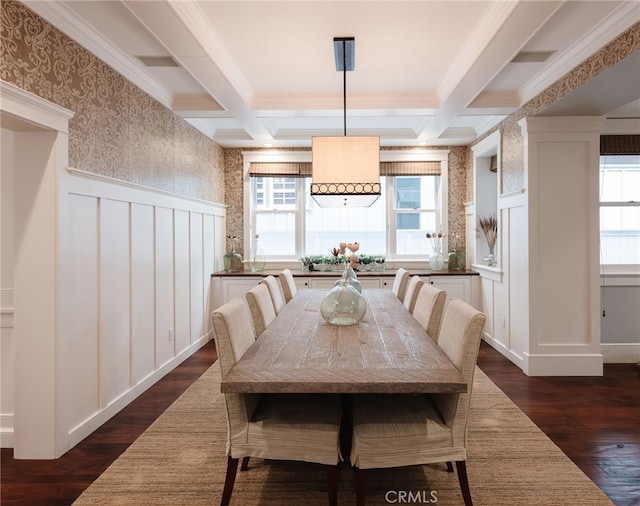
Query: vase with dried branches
[[489, 226]]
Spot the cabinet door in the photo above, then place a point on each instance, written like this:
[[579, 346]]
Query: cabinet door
[[322, 283], [457, 287], [370, 282], [236, 287]]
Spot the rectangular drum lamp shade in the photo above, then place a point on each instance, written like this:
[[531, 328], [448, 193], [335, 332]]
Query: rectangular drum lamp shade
[[345, 171]]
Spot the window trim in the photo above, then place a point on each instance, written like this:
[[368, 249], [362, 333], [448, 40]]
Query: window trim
[[614, 269], [386, 155]]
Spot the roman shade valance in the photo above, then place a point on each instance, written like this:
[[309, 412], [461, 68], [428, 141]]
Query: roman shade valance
[[620, 144], [410, 168], [280, 169], [303, 169]]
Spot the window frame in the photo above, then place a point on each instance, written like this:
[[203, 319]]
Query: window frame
[[389, 155], [614, 204]]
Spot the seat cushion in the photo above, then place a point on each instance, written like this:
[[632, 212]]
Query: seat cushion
[[297, 427], [399, 430]]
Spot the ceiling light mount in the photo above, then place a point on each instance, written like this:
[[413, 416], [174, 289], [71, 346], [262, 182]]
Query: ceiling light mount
[[344, 49]]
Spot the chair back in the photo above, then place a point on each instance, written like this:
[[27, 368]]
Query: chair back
[[428, 309], [261, 307], [233, 334], [288, 284], [400, 283], [460, 336], [413, 288], [275, 290]]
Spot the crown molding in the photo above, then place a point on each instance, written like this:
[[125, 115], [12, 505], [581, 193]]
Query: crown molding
[[66, 20], [626, 16]]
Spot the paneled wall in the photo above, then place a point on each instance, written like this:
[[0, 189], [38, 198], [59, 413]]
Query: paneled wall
[[136, 295]]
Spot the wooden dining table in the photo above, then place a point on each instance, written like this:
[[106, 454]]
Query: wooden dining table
[[386, 352]]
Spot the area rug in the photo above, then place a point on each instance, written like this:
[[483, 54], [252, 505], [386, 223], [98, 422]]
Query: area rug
[[180, 460]]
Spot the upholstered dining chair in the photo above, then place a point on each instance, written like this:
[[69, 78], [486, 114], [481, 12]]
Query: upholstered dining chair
[[428, 309], [400, 283], [412, 429], [261, 308], [272, 426], [277, 295], [288, 284], [413, 289]]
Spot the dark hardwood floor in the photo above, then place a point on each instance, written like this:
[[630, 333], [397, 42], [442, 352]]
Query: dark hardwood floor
[[61, 481], [595, 421]]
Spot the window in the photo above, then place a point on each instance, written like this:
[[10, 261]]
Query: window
[[620, 209], [291, 225], [417, 211]]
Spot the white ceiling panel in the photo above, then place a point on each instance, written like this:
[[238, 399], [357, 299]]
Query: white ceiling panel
[[434, 72]]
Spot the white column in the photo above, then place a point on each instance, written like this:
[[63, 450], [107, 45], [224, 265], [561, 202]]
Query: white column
[[561, 167]]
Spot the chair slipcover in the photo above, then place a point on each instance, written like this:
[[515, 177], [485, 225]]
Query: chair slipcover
[[400, 283], [403, 430], [261, 308], [288, 284], [413, 288], [272, 426], [275, 290], [428, 309]]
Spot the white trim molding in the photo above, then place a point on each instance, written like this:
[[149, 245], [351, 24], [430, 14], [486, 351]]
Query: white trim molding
[[562, 364], [621, 353]]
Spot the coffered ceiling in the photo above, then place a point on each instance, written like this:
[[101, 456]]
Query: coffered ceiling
[[262, 73]]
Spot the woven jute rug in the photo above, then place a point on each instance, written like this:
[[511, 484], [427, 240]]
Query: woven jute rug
[[180, 459]]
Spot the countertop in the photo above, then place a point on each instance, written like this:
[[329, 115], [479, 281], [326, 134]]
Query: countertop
[[336, 274]]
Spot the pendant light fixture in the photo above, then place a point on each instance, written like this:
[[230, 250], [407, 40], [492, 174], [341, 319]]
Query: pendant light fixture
[[345, 170]]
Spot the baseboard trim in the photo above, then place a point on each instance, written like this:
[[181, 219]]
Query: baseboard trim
[[6, 431], [621, 353], [83, 430], [586, 364]]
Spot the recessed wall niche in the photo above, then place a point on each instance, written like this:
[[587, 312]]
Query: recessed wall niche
[[486, 176]]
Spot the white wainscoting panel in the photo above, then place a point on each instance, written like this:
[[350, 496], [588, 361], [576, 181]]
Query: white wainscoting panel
[[115, 301], [518, 281], [165, 287], [81, 309], [196, 277], [139, 263], [208, 258], [142, 283], [182, 280]]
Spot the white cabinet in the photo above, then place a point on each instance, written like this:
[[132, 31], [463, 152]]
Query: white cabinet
[[457, 287], [226, 288], [329, 283]]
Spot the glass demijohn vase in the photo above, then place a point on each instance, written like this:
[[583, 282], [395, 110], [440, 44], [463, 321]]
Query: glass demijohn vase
[[256, 261], [343, 305], [232, 260], [350, 276]]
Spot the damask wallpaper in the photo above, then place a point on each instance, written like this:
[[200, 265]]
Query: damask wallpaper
[[117, 130], [458, 170]]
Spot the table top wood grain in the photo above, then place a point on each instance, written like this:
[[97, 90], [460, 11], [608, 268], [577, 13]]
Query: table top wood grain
[[386, 352]]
